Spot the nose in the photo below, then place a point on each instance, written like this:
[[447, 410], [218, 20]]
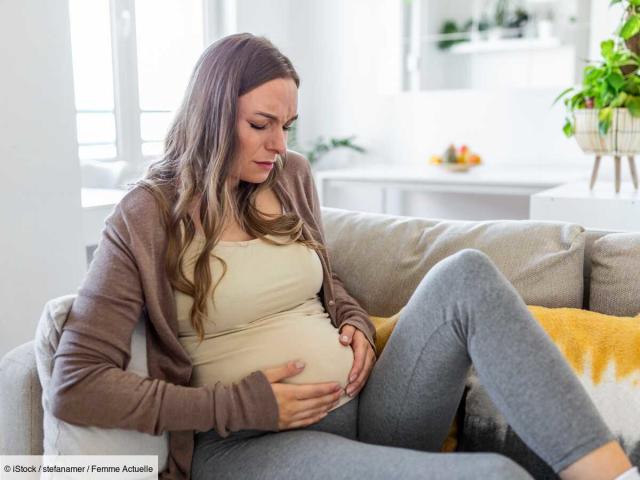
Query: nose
[[278, 142]]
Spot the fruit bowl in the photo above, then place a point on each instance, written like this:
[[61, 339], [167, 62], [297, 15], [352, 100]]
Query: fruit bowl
[[456, 160], [456, 167]]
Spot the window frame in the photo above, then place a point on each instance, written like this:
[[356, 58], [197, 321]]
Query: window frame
[[219, 18]]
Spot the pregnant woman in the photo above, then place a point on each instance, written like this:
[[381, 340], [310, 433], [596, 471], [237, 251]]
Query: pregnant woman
[[261, 364]]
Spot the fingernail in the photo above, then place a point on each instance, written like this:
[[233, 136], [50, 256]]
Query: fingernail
[[299, 364], [345, 338], [349, 391], [353, 377]]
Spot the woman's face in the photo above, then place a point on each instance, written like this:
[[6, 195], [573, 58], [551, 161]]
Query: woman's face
[[264, 116]]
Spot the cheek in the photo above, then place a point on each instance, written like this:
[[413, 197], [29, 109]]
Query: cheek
[[249, 141]]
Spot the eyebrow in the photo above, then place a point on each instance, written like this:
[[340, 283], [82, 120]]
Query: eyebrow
[[273, 117]]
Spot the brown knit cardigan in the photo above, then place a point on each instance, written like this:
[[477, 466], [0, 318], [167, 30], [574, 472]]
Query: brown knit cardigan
[[127, 280]]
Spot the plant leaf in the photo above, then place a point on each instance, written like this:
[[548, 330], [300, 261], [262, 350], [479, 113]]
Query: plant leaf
[[619, 100], [633, 104], [562, 95], [631, 27], [576, 101], [615, 80], [604, 116], [568, 128], [606, 48]]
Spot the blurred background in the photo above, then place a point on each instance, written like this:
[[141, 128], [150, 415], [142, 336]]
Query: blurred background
[[88, 88]]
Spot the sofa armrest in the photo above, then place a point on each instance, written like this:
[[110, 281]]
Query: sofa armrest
[[21, 429]]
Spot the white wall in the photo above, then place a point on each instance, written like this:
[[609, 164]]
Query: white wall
[[604, 21], [40, 212], [348, 54], [269, 18]]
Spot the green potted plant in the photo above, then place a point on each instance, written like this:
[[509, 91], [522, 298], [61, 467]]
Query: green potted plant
[[321, 147], [604, 112], [605, 88]]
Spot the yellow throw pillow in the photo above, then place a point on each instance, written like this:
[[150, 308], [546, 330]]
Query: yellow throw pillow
[[598, 346], [604, 352], [384, 327]]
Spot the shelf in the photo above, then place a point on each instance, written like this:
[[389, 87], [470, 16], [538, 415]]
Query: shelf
[[504, 45]]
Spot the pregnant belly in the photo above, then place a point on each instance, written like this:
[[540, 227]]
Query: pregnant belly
[[271, 343]]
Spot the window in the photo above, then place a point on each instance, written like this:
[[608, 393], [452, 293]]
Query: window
[[131, 64]]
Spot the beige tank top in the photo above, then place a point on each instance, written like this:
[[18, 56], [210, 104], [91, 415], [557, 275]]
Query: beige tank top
[[267, 312]]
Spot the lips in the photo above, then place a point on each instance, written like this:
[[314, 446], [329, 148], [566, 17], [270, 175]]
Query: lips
[[265, 165]]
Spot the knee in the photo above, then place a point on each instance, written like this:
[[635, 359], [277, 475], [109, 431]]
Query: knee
[[467, 265], [499, 467], [471, 258]]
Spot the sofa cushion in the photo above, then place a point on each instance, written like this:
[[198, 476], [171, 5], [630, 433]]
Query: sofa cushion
[[604, 351], [369, 252], [62, 438], [615, 283], [20, 410]]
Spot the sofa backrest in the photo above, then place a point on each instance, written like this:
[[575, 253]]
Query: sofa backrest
[[372, 252], [614, 264]]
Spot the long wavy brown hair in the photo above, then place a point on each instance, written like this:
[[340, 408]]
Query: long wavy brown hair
[[199, 154]]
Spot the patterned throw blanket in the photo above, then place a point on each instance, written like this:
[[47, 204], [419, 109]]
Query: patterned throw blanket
[[604, 352]]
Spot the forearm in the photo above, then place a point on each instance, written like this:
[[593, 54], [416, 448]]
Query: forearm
[[88, 391]]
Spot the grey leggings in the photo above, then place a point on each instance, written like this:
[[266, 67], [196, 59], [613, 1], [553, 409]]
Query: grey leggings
[[464, 311]]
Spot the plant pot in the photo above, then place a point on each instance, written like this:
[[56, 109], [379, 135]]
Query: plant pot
[[623, 137]]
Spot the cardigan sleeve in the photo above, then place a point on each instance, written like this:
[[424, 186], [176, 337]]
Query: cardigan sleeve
[[348, 310], [89, 384]]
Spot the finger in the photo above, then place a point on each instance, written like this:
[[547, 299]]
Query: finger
[[322, 402], [359, 354], [357, 385], [346, 334], [314, 390], [316, 411], [306, 422], [286, 370]]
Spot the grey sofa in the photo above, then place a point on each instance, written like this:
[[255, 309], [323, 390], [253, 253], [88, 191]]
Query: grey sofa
[[381, 259]]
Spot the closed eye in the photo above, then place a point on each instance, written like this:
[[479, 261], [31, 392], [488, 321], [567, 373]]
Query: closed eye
[[262, 127]]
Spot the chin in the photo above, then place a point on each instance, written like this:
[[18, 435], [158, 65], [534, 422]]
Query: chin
[[256, 179]]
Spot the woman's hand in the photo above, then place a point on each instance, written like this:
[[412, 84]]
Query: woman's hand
[[301, 405], [363, 358]]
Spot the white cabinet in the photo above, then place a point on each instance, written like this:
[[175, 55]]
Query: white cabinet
[[486, 192], [597, 209]]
